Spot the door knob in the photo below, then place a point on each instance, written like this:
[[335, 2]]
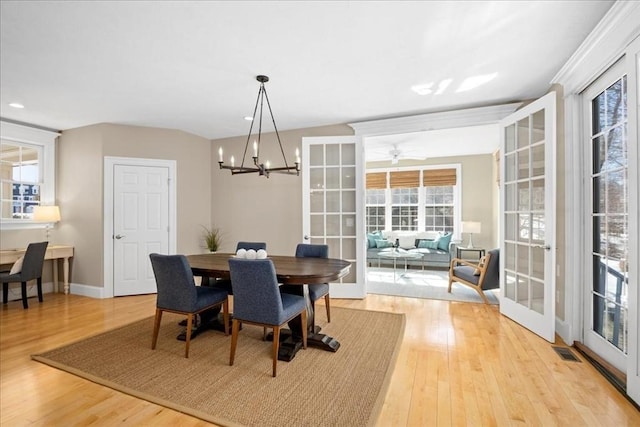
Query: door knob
[[306, 237], [119, 236]]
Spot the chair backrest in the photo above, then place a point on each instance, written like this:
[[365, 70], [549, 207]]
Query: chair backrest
[[251, 245], [256, 296], [174, 278], [33, 261], [492, 274], [304, 250]]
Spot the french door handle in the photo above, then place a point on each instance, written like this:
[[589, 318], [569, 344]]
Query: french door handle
[[306, 237], [545, 247]]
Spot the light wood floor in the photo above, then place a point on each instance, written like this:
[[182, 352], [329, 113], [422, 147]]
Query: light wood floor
[[460, 364]]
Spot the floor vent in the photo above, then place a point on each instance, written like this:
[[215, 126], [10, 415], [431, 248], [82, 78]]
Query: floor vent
[[566, 354]]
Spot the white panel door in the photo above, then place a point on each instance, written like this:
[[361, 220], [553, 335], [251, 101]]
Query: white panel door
[[140, 226], [527, 207], [332, 198]]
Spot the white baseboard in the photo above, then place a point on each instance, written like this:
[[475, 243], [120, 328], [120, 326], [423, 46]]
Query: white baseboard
[[86, 290], [15, 293], [47, 288], [563, 329]]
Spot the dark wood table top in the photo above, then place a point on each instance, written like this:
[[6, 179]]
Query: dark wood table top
[[289, 269]]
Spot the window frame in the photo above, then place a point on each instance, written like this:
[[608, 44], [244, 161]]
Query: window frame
[[43, 140], [457, 196]]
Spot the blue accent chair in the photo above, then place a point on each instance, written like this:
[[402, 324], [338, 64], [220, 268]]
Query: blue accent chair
[[481, 276], [316, 291], [31, 269], [257, 300], [178, 293]]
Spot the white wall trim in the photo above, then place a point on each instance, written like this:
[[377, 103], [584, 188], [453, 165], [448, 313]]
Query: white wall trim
[[434, 121], [109, 164], [603, 47]]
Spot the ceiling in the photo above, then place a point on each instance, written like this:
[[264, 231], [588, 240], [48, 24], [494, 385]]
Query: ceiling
[[191, 65]]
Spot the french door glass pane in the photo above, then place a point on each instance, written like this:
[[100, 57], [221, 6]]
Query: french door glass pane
[[609, 220]]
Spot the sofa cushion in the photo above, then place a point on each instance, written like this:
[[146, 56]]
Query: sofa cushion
[[383, 244], [372, 237], [427, 244], [444, 240]]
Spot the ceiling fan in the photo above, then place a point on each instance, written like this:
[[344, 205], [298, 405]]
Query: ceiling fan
[[397, 155]]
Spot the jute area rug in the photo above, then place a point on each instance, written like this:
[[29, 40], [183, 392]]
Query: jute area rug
[[316, 388]]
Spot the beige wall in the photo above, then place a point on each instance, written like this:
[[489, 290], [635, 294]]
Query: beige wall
[[254, 208], [80, 187], [478, 192]]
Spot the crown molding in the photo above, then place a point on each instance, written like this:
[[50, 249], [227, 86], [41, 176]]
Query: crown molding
[[602, 47], [434, 121]]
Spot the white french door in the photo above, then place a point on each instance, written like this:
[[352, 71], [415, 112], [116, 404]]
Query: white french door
[[606, 295], [527, 207], [332, 199]]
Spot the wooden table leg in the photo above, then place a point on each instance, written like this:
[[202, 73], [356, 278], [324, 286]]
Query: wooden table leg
[[65, 272]]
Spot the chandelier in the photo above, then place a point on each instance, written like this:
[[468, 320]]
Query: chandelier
[[260, 168]]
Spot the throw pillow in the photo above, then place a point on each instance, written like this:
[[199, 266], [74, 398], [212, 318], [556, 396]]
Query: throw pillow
[[443, 241], [428, 244], [372, 237], [383, 244], [17, 266]]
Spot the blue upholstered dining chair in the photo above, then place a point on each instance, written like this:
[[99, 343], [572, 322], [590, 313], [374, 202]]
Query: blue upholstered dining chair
[[257, 300], [178, 293], [316, 291], [31, 269]]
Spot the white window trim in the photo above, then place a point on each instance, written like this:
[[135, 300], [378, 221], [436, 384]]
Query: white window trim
[[45, 139], [457, 195]]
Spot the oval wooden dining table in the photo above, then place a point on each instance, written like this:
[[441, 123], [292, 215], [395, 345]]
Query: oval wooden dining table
[[290, 270]]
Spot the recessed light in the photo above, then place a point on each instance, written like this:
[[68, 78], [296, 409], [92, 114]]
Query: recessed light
[[475, 81], [248, 118], [16, 105]]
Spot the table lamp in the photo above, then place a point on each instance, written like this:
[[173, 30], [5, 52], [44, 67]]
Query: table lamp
[[471, 227], [48, 214]]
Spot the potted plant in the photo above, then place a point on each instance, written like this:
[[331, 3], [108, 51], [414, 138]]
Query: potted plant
[[212, 238]]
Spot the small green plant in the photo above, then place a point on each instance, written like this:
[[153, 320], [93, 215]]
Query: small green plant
[[212, 238]]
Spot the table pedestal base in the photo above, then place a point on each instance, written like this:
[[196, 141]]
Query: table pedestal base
[[207, 321], [290, 344]]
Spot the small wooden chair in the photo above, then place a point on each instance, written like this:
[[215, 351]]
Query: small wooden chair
[[480, 276]]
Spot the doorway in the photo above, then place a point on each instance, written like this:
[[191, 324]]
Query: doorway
[[139, 218]]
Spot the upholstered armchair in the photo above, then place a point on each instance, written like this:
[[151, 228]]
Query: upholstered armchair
[[479, 276]]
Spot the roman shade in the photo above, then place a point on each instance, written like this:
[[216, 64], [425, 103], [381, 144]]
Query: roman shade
[[405, 179], [438, 177], [377, 180]]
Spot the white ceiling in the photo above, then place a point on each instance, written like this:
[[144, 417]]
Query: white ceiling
[[192, 65]]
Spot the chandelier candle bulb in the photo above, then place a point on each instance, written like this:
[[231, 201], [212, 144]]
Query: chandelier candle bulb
[[220, 154], [255, 149], [233, 162]]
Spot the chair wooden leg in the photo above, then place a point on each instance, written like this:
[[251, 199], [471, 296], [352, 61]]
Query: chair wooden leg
[[156, 328], [5, 293], [450, 283], [39, 285], [327, 304], [234, 340], [225, 316], [276, 346], [481, 292], [188, 338], [25, 304]]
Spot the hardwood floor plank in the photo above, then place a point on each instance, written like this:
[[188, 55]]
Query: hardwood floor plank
[[460, 364]]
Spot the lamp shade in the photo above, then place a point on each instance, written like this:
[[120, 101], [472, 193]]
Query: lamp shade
[[471, 227], [46, 214]]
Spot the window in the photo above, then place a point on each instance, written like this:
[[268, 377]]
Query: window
[[439, 208], [414, 200], [375, 209], [27, 176]]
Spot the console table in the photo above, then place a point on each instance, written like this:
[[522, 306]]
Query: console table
[[54, 253], [460, 249]]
